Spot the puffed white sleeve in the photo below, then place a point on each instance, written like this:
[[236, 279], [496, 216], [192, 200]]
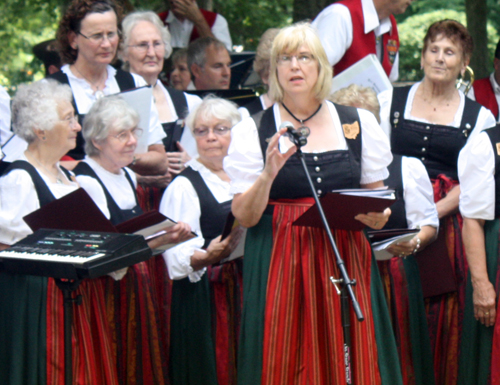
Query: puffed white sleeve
[[385, 101], [244, 161], [476, 173], [18, 198], [180, 203], [95, 191], [334, 26], [418, 194], [220, 29], [155, 130], [375, 150], [485, 120]]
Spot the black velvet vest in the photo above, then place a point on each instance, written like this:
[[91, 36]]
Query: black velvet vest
[[494, 135], [437, 146], [125, 81], [117, 215], [397, 220], [174, 130], [329, 170], [213, 214]]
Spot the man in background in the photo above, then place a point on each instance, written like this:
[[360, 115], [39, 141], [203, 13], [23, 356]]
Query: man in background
[[209, 63], [486, 91]]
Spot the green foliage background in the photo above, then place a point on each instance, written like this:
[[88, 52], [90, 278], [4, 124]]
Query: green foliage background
[[412, 31]]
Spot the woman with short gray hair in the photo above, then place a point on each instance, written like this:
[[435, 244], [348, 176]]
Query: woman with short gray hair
[[146, 43], [43, 115], [111, 131], [200, 195]]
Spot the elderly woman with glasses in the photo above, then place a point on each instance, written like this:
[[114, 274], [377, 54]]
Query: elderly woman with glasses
[[111, 132], [146, 43], [291, 324], [31, 307], [205, 295], [88, 38]]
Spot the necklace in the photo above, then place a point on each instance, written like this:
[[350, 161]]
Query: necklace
[[304, 129], [97, 93], [58, 180]]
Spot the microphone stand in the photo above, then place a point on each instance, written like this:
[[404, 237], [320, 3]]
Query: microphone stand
[[344, 281]]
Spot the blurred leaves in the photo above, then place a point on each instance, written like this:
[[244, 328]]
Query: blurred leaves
[[411, 36]]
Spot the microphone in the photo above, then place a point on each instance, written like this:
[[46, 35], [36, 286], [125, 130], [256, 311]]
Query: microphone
[[298, 137]]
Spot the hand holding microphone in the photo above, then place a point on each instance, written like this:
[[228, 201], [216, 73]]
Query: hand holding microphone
[[297, 136]]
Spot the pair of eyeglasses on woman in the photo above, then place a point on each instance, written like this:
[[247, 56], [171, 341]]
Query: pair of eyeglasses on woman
[[203, 131], [125, 135], [72, 120], [303, 58], [98, 38], [144, 46]]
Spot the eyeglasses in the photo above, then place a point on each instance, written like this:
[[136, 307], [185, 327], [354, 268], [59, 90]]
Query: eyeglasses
[[219, 130], [144, 46], [98, 38], [125, 135], [303, 58], [71, 120]]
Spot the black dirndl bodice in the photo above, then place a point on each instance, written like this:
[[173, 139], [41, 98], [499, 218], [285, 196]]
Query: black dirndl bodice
[[213, 214], [329, 170], [117, 215], [437, 146]]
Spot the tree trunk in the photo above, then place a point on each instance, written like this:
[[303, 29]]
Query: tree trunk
[[477, 14], [308, 9]]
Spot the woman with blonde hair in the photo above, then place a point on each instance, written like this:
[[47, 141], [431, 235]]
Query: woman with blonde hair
[[291, 326]]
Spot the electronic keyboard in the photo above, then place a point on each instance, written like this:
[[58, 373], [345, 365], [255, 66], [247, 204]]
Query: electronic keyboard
[[73, 254]]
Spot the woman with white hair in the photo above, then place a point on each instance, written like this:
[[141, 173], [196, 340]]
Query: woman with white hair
[[31, 307], [111, 131], [146, 43], [291, 322], [200, 196]]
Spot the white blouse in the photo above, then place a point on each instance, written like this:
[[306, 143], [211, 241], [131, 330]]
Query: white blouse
[[85, 98], [245, 163], [418, 194], [484, 120], [476, 173], [117, 185], [18, 198], [180, 202], [187, 139]]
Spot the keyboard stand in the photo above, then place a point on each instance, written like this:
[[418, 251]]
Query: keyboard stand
[[67, 287]]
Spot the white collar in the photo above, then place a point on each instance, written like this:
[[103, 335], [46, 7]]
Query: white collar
[[494, 84], [372, 22]]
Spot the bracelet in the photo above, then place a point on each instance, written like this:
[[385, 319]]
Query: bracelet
[[415, 250]]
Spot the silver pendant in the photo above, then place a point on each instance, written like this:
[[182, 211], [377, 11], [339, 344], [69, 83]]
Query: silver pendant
[[98, 94]]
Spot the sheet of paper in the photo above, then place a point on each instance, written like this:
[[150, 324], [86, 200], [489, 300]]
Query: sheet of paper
[[14, 148], [380, 248], [140, 100], [367, 72]]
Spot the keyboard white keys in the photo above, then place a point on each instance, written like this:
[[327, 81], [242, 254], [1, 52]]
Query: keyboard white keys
[[73, 259]]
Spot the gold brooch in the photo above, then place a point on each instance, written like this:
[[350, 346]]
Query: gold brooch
[[351, 131]]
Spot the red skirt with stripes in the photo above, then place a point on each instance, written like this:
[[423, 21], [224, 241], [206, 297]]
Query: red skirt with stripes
[[303, 340]]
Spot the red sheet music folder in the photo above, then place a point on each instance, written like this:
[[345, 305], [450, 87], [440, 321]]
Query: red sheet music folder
[[436, 272], [77, 211], [340, 210]]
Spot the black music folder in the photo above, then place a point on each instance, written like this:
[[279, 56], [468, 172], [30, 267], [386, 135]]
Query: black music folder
[[342, 206]]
